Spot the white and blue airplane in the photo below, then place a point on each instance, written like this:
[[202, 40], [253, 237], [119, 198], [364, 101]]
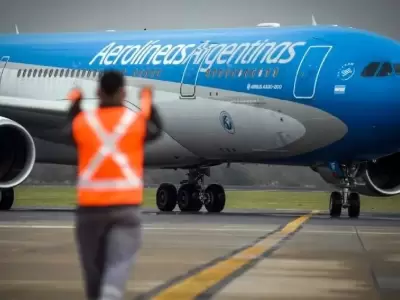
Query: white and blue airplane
[[326, 97]]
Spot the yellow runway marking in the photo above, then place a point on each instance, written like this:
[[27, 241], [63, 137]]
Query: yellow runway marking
[[200, 282]]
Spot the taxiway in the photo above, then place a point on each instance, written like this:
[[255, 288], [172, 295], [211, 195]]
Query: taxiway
[[236, 255]]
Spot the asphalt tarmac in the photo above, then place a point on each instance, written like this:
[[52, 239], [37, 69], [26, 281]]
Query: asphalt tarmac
[[281, 255]]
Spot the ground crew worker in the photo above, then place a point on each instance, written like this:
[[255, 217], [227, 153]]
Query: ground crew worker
[[110, 148]]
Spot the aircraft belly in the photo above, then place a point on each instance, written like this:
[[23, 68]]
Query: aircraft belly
[[272, 129], [164, 152], [167, 152], [199, 126]]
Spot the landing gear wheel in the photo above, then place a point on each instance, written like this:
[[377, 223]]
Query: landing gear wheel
[[335, 205], [215, 202], [188, 198], [354, 205], [6, 199], [166, 197]]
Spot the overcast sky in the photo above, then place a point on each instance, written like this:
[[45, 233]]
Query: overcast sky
[[381, 16]]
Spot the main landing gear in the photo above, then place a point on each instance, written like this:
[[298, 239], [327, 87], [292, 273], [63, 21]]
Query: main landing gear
[[191, 195], [6, 199], [345, 198]]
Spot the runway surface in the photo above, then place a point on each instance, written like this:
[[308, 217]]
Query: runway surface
[[235, 255]]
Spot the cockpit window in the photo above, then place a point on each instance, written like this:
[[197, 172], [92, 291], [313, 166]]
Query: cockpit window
[[370, 70], [386, 70], [397, 69]]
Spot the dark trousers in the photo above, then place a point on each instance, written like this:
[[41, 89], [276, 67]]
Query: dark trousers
[[107, 240]]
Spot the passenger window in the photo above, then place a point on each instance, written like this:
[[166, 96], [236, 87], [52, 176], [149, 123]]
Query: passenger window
[[253, 73], [370, 69], [386, 70], [50, 72], [29, 72], [34, 73], [40, 73], [260, 72], [55, 73], [66, 73], [19, 73], [88, 73], [24, 73], [61, 73], [267, 71], [72, 73], [220, 73], [45, 73], [276, 71]]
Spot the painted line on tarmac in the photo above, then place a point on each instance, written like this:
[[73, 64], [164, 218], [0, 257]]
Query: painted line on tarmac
[[224, 228], [191, 229], [206, 280]]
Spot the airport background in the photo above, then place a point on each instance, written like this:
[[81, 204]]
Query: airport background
[[263, 241], [98, 15]]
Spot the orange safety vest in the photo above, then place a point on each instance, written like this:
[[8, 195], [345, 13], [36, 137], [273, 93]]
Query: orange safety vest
[[110, 145]]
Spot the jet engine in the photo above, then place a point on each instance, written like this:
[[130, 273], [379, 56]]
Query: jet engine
[[378, 178], [17, 153]]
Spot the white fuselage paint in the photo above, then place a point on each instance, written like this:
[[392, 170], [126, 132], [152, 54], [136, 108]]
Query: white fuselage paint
[[193, 131]]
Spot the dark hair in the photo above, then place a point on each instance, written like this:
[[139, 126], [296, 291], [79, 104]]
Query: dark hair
[[111, 81]]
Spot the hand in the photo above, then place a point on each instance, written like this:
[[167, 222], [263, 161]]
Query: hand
[[75, 95]]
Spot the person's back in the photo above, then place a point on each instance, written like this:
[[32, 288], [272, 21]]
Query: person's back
[[110, 146], [123, 163]]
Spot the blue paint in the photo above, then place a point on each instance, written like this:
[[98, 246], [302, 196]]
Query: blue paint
[[369, 106]]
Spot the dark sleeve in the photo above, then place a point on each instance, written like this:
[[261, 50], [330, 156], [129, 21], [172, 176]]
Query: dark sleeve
[[154, 126], [73, 111]]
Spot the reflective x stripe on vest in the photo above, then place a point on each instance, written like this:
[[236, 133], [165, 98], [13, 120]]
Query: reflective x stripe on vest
[[109, 147]]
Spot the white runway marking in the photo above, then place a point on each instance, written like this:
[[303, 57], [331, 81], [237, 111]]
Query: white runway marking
[[38, 226], [224, 228]]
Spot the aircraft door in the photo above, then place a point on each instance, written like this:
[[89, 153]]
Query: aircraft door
[[3, 63], [193, 68], [308, 71]]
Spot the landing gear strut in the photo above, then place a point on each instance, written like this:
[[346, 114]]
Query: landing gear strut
[[191, 195], [6, 199], [345, 198]]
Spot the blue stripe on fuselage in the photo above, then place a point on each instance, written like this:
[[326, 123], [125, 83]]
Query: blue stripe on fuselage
[[77, 50]]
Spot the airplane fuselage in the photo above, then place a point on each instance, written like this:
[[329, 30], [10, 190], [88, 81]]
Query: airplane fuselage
[[264, 95]]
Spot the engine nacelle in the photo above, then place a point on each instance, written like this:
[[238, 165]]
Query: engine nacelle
[[17, 153], [380, 178]]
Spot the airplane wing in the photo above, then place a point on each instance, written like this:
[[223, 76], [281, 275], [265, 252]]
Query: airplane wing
[[21, 109], [42, 118]]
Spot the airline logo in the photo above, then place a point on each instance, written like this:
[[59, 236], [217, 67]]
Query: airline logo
[[207, 54], [346, 72]]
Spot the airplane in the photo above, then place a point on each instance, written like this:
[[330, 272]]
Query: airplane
[[320, 96]]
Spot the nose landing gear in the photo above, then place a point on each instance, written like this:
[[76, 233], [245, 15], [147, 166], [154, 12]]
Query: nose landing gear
[[345, 198]]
